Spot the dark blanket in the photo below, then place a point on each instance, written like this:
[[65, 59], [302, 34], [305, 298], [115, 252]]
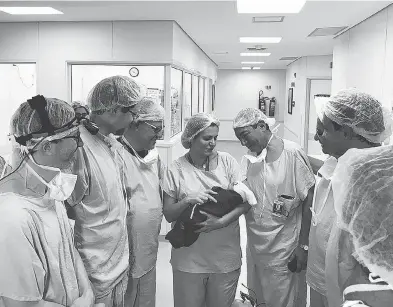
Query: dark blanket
[[183, 233]]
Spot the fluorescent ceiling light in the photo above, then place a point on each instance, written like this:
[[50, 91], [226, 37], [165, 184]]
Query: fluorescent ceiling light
[[246, 67], [254, 54], [260, 40], [269, 6], [256, 68], [253, 62], [30, 10], [267, 19]]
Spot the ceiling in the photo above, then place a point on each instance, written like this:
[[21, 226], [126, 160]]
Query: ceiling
[[216, 26]]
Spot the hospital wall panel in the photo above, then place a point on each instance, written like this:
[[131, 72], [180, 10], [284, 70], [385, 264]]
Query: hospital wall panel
[[340, 62]]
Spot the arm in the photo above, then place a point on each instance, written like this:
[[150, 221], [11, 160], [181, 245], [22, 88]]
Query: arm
[[85, 289], [214, 223], [173, 208], [306, 217]]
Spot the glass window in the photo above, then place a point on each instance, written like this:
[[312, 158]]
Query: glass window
[[201, 95], [84, 77], [18, 83], [176, 101], [195, 95], [187, 112]]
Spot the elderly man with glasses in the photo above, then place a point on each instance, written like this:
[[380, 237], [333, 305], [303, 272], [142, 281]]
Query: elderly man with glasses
[[143, 171]]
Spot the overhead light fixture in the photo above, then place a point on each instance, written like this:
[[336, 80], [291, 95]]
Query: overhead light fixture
[[256, 68], [329, 31], [30, 10], [268, 19], [246, 67], [220, 52], [253, 62], [260, 40], [254, 54], [289, 58], [269, 6]]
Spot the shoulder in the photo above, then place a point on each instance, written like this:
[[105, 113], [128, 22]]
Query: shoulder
[[292, 147], [226, 157], [178, 164]]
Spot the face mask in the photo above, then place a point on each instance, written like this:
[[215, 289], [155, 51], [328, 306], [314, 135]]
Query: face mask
[[261, 157], [61, 186], [149, 159]]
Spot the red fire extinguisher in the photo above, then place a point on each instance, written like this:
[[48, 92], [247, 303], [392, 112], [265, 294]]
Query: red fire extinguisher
[[272, 107], [262, 102]]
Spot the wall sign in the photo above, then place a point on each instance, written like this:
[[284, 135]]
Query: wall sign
[[291, 103]]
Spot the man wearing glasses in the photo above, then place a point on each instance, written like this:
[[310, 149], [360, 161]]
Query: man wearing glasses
[[143, 174], [99, 203]]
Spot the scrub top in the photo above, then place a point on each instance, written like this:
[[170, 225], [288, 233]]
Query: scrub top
[[323, 220], [217, 251], [100, 217], [145, 211], [37, 251], [272, 238]]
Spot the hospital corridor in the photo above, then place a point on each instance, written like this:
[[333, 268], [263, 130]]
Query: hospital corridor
[[196, 153]]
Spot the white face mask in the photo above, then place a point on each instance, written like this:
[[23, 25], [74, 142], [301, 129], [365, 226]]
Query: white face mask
[[61, 186], [149, 159], [261, 157]]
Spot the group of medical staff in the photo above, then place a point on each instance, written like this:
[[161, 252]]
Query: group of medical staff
[[96, 163]]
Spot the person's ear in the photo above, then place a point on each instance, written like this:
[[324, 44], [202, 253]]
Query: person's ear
[[47, 148], [348, 132]]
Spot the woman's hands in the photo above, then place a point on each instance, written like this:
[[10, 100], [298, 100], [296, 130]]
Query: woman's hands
[[212, 223], [201, 197]]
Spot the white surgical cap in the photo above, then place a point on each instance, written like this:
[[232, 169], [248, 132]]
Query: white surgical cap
[[76, 105], [26, 120], [250, 116], [360, 111], [195, 125], [116, 91], [148, 110], [363, 199]]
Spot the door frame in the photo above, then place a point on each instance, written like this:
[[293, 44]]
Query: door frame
[[307, 114]]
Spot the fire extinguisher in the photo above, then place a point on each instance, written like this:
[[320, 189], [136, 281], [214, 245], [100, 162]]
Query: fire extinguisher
[[272, 107], [262, 102]]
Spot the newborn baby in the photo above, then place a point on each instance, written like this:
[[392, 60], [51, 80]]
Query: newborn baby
[[183, 233]]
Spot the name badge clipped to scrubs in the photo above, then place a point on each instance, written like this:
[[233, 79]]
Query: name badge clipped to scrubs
[[279, 208]]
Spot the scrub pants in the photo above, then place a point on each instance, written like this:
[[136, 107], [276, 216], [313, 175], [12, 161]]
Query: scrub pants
[[204, 289], [276, 287], [115, 298], [317, 299], [141, 292]]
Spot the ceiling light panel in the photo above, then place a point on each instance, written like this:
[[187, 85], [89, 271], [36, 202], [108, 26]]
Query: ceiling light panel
[[254, 54], [246, 68], [30, 10], [260, 40], [329, 31], [253, 62], [269, 6]]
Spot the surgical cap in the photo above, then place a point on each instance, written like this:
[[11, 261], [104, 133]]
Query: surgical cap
[[112, 92], [148, 110], [250, 117], [363, 199], [26, 120], [76, 105], [195, 125], [360, 111]]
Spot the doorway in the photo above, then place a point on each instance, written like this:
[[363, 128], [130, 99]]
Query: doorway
[[318, 86]]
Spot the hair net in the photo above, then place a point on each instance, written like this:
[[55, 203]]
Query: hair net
[[360, 111], [363, 199], [148, 110], [112, 92], [26, 120], [195, 125], [76, 105], [251, 116]]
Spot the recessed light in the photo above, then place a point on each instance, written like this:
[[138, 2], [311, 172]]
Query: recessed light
[[246, 67], [253, 62], [260, 40], [289, 58], [256, 68], [326, 31], [254, 54], [220, 52], [269, 6], [30, 10]]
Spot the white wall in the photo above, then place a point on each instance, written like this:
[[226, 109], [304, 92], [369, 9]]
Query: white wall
[[363, 57], [238, 89], [311, 67]]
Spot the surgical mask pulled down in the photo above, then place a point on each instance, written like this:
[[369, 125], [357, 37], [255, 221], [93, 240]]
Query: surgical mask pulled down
[[261, 157], [149, 159], [61, 186]]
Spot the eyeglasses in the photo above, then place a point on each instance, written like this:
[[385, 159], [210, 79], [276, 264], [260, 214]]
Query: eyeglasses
[[76, 137], [127, 109], [155, 128]]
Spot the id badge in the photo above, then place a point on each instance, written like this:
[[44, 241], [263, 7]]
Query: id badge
[[279, 209]]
